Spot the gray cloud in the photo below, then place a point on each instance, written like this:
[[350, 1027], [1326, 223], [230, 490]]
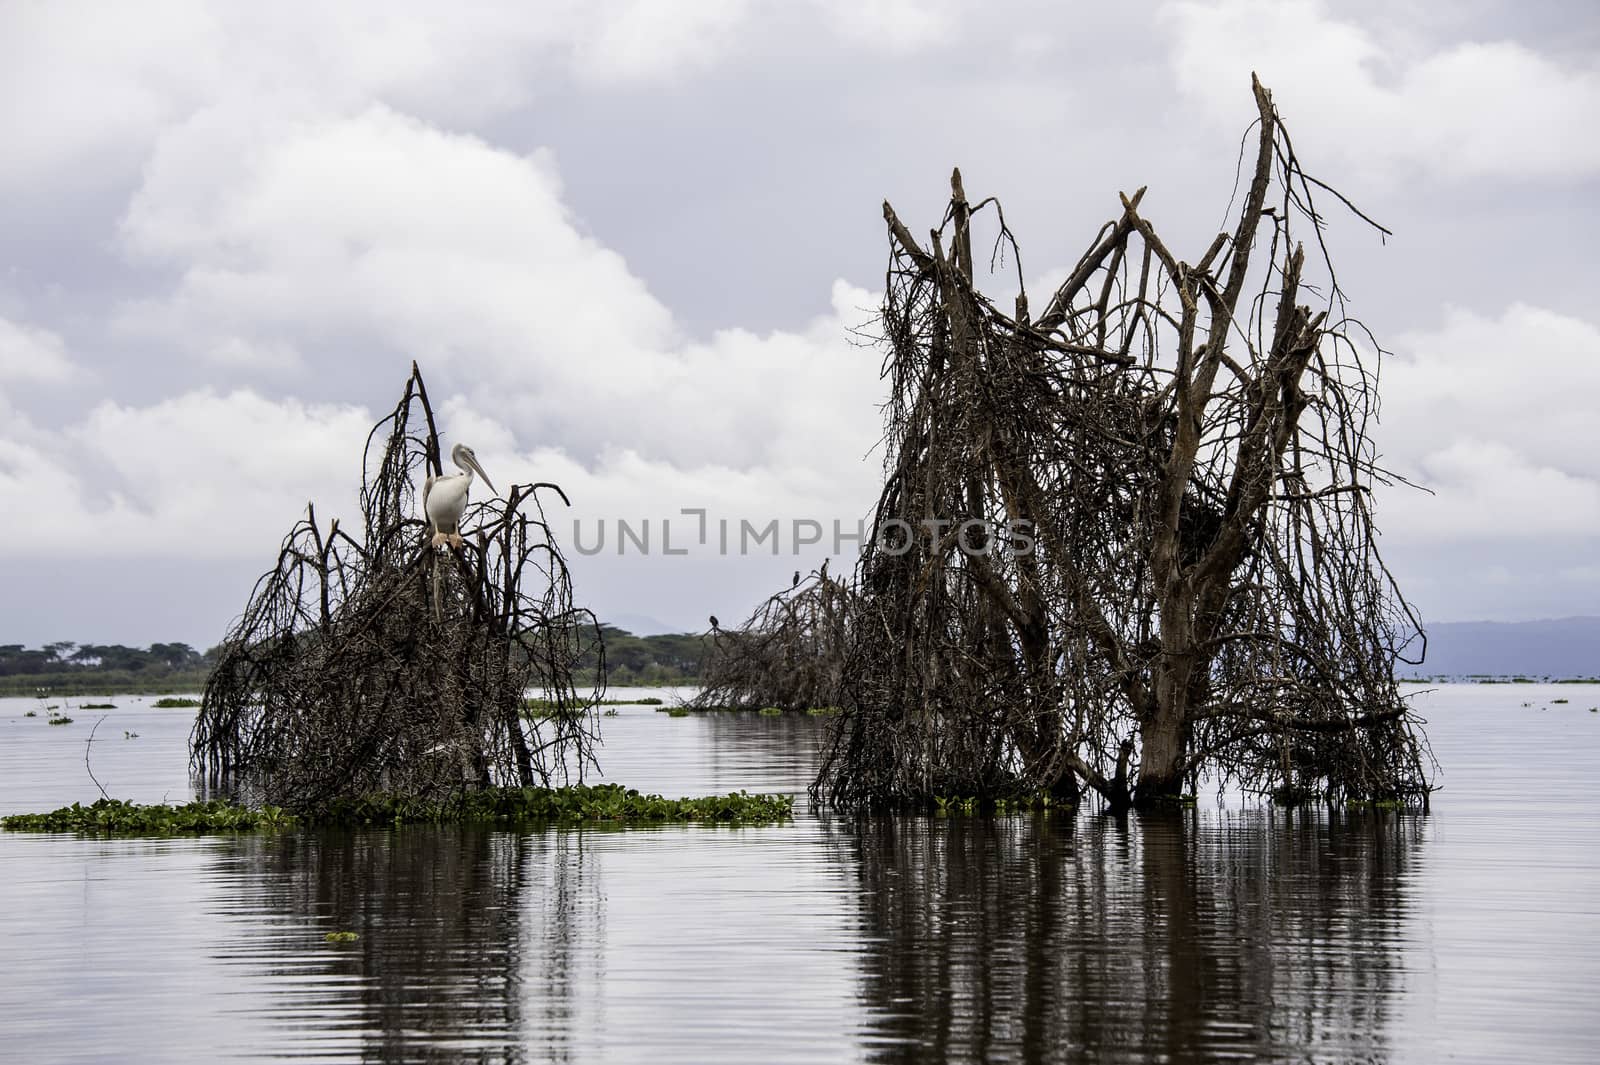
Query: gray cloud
[[629, 253]]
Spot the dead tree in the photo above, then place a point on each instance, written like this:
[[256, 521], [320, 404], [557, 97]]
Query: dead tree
[[793, 653], [1128, 543], [384, 664]]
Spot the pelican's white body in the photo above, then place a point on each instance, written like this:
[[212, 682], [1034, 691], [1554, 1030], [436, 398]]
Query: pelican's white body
[[444, 498]]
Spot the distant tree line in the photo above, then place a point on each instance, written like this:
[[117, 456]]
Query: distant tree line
[[630, 659], [67, 657], [674, 658]]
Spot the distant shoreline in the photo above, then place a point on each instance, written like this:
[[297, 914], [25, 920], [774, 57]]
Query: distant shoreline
[[66, 686], [666, 660], [1497, 678], [91, 682], [1555, 651], [73, 685]]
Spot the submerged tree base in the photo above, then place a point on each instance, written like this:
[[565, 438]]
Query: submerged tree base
[[602, 803]]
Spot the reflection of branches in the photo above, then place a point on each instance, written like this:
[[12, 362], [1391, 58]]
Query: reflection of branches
[[438, 971], [384, 664], [1162, 939], [572, 914]]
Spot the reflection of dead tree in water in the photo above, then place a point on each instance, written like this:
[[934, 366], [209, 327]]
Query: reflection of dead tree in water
[[386, 664], [442, 920], [1186, 447], [975, 931]]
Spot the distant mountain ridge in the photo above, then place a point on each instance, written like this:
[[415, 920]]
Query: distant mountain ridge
[[1556, 647]]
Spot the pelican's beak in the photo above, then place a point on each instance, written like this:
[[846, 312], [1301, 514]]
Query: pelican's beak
[[479, 471]]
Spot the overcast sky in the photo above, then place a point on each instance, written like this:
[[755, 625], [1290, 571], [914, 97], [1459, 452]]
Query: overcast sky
[[628, 243]]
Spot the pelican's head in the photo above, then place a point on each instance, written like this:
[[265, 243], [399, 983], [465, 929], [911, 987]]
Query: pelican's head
[[463, 456]]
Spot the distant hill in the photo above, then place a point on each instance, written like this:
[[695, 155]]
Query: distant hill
[[1561, 647]]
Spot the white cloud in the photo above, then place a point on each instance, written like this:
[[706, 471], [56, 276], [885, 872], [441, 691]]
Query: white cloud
[[28, 353], [90, 86], [200, 475], [377, 227], [241, 443], [1487, 412], [1478, 109], [348, 245], [647, 39], [892, 25], [376, 238], [219, 476], [1509, 379], [1487, 491]]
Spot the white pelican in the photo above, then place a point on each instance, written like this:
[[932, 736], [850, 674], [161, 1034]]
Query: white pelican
[[445, 497]]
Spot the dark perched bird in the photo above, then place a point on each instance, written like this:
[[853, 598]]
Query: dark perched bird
[[796, 583], [714, 624]]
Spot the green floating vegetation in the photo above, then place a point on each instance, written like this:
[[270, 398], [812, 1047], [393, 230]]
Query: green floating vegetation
[[59, 721], [172, 702], [772, 711], [576, 803], [1559, 701], [97, 706], [113, 816], [341, 937], [825, 711], [973, 806], [30, 713], [1374, 804]]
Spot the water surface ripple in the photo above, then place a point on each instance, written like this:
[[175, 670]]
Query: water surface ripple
[[1230, 933]]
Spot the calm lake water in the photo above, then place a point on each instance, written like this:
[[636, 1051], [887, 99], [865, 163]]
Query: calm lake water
[[1229, 933]]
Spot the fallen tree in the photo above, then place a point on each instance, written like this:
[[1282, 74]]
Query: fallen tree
[[1127, 543], [384, 664]]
